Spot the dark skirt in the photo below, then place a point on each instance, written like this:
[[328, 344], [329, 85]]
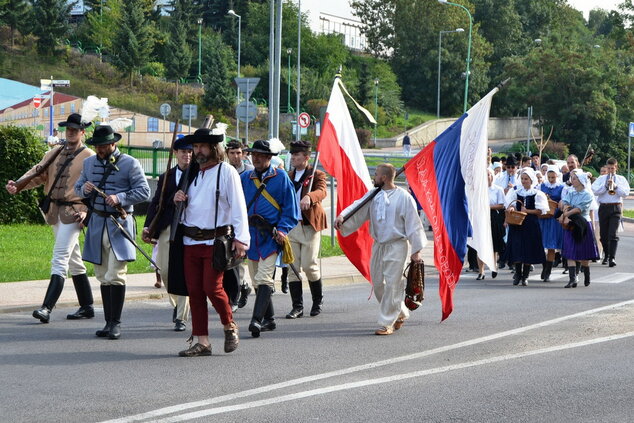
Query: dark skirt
[[524, 243], [584, 250], [497, 230]]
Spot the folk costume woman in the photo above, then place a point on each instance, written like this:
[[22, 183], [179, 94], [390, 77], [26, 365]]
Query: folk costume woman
[[579, 242], [524, 246], [552, 232], [496, 205]]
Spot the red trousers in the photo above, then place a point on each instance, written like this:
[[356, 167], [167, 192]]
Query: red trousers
[[203, 281]]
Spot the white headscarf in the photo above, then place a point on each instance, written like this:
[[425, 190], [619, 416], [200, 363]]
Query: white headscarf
[[531, 174]]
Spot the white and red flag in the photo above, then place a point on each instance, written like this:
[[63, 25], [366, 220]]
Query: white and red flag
[[341, 156]]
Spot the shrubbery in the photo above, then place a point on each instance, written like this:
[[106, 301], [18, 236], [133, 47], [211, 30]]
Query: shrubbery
[[20, 150]]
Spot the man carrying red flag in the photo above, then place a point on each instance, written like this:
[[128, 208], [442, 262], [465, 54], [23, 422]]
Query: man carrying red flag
[[393, 222]]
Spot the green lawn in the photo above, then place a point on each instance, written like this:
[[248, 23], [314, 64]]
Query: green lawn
[[628, 213], [25, 252]]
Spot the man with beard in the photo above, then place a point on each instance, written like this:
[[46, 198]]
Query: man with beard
[[394, 224], [64, 214], [183, 152], [121, 178], [214, 207], [273, 212]]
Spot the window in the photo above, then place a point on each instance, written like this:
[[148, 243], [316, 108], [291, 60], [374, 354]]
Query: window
[[180, 127], [46, 112], [152, 124], [72, 107], [62, 109]]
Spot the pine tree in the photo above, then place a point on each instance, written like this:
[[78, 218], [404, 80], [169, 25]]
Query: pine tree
[[14, 13], [132, 42], [179, 58], [218, 92], [50, 23]]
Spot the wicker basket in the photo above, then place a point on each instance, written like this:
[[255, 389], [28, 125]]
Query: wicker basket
[[514, 217], [552, 204]]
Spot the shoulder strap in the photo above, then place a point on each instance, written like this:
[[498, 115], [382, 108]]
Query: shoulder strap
[[217, 194], [61, 169], [266, 195]]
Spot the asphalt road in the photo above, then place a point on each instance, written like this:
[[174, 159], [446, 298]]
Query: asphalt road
[[521, 354]]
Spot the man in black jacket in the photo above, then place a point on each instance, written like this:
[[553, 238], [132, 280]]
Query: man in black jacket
[[183, 153]]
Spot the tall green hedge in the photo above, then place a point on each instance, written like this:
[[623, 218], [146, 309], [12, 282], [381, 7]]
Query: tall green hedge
[[20, 150]]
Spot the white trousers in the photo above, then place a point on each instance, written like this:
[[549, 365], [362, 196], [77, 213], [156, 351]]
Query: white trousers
[[181, 302], [386, 271], [262, 271], [111, 271], [66, 252], [305, 244]]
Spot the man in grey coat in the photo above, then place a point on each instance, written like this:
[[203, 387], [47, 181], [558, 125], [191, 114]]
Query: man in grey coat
[[121, 180]]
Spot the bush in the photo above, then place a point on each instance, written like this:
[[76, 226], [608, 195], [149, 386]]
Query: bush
[[153, 68], [20, 150]]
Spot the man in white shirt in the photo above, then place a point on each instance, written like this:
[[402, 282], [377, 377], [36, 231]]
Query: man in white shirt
[[610, 190], [509, 178], [200, 223], [394, 224]]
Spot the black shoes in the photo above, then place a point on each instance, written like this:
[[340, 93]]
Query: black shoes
[[260, 308], [318, 297], [517, 275], [179, 326], [43, 313], [244, 296], [586, 275], [612, 262], [297, 296], [295, 313], [53, 292], [84, 295], [84, 312], [572, 275], [480, 276], [113, 297]]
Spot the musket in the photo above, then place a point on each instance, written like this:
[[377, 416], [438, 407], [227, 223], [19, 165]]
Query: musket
[[209, 121], [369, 198], [127, 236], [588, 155], [312, 177], [118, 207], [40, 169], [161, 203]]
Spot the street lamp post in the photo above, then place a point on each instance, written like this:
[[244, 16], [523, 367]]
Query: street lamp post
[[466, 83], [376, 107], [439, 67], [200, 48], [288, 81], [234, 14]]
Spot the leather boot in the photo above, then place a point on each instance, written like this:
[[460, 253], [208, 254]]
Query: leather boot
[[106, 298], [517, 276], [572, 275], [84, 295], [285, 280], [262, 300], [612, 253], [53, 292], [557, 259], [548, 267], [586, 275], [118, 298], [318, 297], [526, 270], [268, 322], [578, 266], [244, 295], [297, 296]]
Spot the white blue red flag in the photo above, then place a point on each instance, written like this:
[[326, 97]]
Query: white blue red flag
[[449, 180]]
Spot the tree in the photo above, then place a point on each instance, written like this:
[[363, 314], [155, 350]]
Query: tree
[[378, 16], [179, 54], [132, 39], [14, 13], [50, 23], [216, 57], [102, 24]]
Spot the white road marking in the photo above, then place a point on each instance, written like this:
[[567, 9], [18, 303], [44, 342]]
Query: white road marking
[[387, 379], [307, 379]]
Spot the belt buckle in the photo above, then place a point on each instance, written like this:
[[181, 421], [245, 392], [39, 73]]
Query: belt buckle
[[199, 233]]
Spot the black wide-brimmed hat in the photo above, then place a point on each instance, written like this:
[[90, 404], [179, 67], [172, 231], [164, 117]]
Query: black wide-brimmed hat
[[300, 147], [181, 144], [104, 134], [74, 121], [203, 135], [261, 146]]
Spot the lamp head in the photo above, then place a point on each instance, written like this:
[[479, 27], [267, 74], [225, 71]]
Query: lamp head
[[232, 13], [459, 30], [200, 21], [442, 1]]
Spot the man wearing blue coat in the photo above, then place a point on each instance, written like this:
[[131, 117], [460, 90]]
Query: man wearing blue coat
[[273, 212], [121, 178]]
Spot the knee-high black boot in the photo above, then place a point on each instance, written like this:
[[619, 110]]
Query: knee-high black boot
[[316, 291], [548, 267], [54, 290], [118, 298], [106, 299], [586, 275], [517, 276], [297, 296], [268, 322], [526, 270], [84, 296], [572, 275], [285, 279], [262, 299]]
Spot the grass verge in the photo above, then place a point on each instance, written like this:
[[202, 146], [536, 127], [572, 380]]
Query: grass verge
[[25, 252], [628, 213]]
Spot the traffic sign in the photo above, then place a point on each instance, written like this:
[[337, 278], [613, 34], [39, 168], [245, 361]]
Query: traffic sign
[[247, 85], [247, 111], [45, 84], [304, 120], [37, 102], [61, 83], [632, 129], [165, 109], [190, 111]]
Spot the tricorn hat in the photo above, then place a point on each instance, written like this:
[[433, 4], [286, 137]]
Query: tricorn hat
[[203, 135], [104, 134], [300, 147], [74, 121], [264, 147]]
